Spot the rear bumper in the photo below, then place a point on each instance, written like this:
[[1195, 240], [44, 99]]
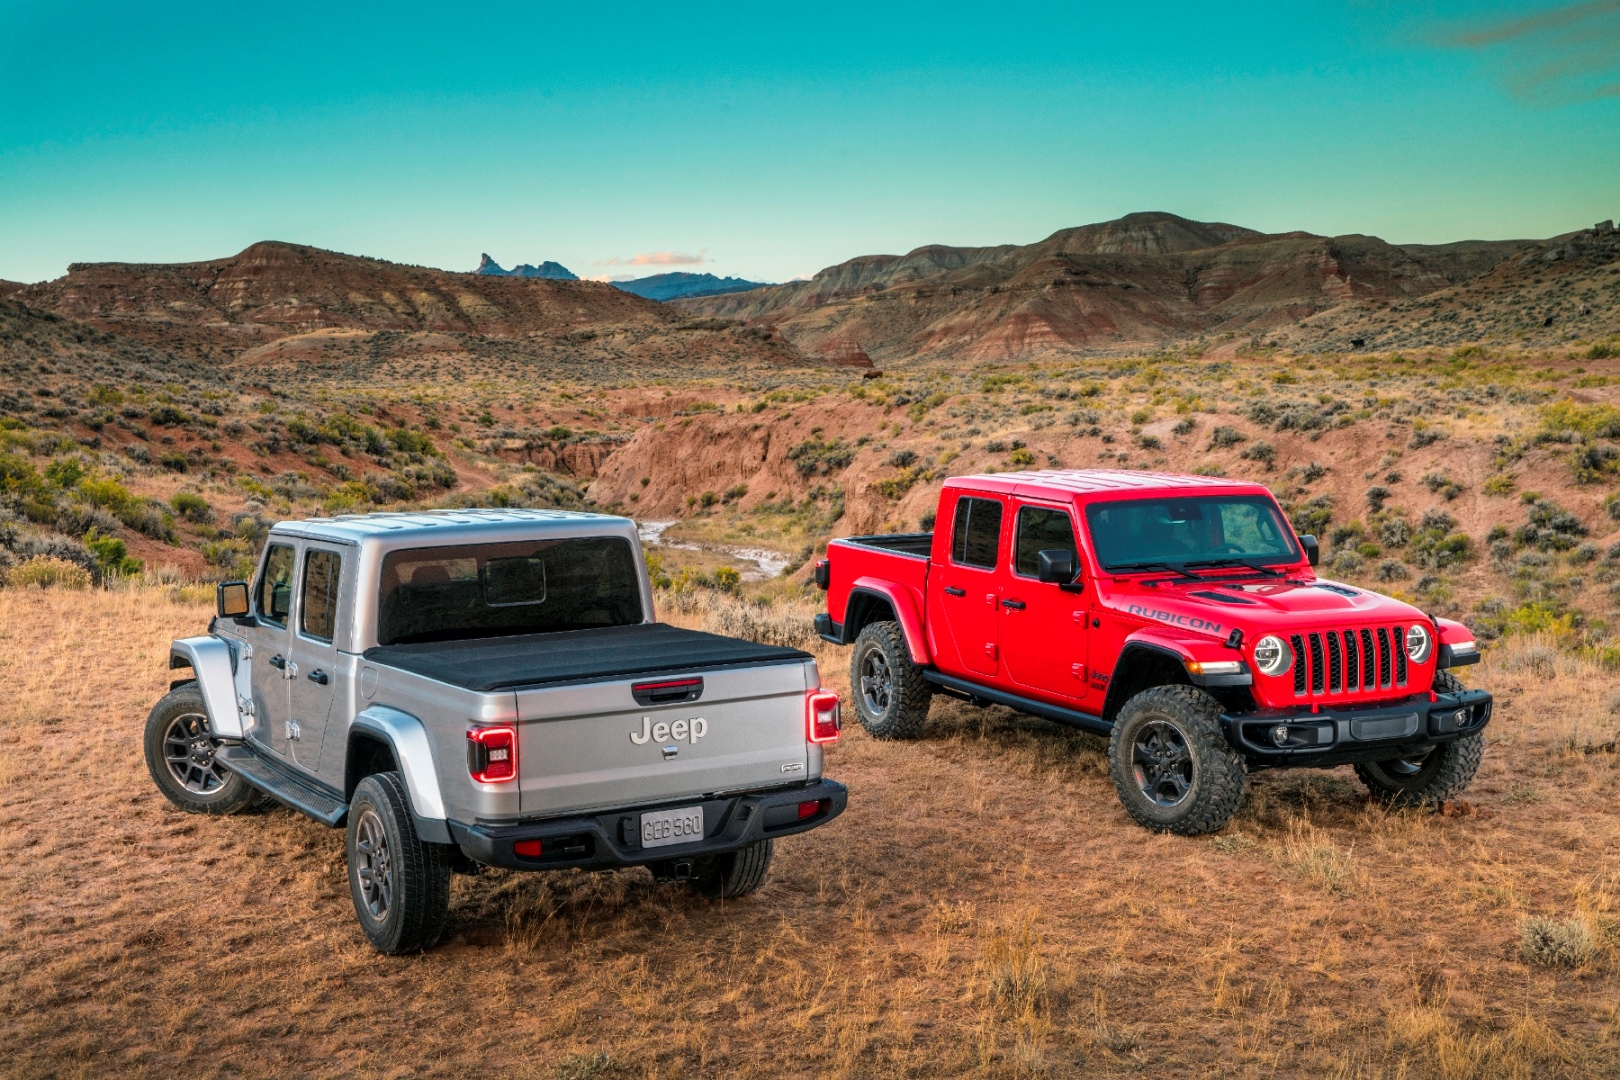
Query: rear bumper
[[612, 838], [1351, 736]]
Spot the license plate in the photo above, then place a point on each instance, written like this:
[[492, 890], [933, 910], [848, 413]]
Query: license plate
[[663, 827]]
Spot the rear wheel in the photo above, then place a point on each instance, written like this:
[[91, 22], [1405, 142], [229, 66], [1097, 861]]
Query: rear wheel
[[180, 754], [400, 885], [1427, 779], [734, 873], [891, 696], [1172, 766]]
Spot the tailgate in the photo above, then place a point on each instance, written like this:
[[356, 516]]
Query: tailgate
[[592, 746]]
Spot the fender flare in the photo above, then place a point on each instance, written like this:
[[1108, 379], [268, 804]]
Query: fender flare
[[1181, 650], [905, 611], [211, 660], [408, 739]]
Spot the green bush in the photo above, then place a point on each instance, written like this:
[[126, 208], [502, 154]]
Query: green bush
[[192, 506], [48, 572], [112, 555]]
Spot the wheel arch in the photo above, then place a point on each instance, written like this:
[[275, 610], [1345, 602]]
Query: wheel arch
[[384, 739], [872, 600], [214, 669], [1141, 666]]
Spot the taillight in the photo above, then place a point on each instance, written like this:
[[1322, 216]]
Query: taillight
[[492, 754], [821, 716]]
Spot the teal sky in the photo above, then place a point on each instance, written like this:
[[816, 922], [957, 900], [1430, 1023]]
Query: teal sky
[[773, 140]]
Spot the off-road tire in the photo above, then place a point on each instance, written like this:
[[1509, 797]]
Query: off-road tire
[[1180, 728], [893, 701], [1442, 774], [177, 728], [733, 873], [416, 874]]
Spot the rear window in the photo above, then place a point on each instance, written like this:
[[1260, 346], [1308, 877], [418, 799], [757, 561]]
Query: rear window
[[976, 532], [492, 590]]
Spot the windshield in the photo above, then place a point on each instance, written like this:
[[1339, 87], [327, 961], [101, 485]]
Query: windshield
[[1230, 530], [490, 590]]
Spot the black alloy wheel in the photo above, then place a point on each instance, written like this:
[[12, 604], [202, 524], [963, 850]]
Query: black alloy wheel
[[1162, 763], [188, 750]]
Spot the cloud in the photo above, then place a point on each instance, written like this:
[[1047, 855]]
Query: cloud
[[1566, 53], [658, 258]]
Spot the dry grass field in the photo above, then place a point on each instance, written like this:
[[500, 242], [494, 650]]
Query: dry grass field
[[984, 908]]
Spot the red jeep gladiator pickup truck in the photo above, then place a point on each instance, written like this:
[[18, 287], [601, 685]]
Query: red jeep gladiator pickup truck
[[1177, 615]]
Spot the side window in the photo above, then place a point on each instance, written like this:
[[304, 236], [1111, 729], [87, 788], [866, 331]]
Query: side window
[[1041, 529], [976, 535], [275, 588], [317, 615]]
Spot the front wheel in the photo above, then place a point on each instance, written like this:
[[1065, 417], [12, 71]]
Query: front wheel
[[1432, 778], [180, 754], [400, 885], [891, 696], [1172, 766]]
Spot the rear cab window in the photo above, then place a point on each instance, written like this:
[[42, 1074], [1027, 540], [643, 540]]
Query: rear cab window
[[317, 610], [1041, 528], [976, 532], [493, 590], [275, 585]]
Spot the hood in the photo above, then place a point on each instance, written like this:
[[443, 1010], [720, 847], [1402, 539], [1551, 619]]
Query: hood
[[1218, 606]]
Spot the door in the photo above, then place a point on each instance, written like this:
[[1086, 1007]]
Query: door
[[269, 637], [312, 686], [969, 593], [1043, 626]]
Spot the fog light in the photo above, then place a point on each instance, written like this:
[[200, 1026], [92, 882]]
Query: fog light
[[1279, 734]]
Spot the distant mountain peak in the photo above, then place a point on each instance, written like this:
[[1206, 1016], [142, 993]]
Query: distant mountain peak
[[548, 269], [682, 285]]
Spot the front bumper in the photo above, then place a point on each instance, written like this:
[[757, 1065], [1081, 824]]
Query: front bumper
[[612, 838], [1346, 736]]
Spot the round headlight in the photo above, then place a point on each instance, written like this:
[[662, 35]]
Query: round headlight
[[1272, 655], [1418, 643]]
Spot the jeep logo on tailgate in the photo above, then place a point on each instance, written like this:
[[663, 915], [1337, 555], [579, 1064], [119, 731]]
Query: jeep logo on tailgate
[[693, 729]]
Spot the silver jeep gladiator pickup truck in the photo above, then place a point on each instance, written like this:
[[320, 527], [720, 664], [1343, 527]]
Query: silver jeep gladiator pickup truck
[[490, 687]]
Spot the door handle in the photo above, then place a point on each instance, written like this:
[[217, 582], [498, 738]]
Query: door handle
[[1016, 605], [318, 676], [952, 590], [279, 663]]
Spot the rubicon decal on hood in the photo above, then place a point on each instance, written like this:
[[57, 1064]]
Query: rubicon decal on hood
[[1191, 622]]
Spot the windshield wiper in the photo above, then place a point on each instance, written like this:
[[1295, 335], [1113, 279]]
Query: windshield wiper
[[1260, 568], [1174, 568]]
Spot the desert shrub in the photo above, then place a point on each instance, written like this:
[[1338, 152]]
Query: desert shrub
[[1225, 436], [816, 457], [1435, 546], [1500, 484], [1149, 442], [48, 572], [1313, 516], [112, 555], [174, 461], [1377, 496], [900, 459], [1347, 561], [1584, 553], [1588, 421], [1022, 456], [1394, 531], [1262, 452], [1424, 436], [1557, 942], [1549, 527], [1184, 426], [1391, 570], [1440, 484], [138, 453], [193, 507], [733, 493]]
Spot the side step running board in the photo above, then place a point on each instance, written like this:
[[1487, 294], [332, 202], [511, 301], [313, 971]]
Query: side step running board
[[277, 781], [984, 694]]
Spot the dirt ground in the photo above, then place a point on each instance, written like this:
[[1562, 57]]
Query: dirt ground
[[983, 908]]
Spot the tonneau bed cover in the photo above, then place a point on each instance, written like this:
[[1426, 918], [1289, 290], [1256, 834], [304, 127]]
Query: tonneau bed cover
[[505, 663]]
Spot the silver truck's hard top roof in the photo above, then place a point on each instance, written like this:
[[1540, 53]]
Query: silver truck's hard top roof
[[441, 526]]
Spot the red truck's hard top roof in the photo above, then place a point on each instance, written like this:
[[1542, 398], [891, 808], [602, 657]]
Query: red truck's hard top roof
[[1125, 483]]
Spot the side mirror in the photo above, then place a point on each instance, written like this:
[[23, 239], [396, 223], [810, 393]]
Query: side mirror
[[232, 599], [1312, 552], [1056, 566]]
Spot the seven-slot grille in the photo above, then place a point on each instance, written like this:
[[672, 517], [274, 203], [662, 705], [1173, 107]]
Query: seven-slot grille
[[1357, 661]]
